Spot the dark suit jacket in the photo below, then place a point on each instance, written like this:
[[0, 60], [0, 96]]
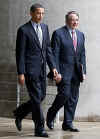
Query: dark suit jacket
[[64, 53], [29, 55]]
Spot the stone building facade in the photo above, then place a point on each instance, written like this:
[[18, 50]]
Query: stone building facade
[[13, 13]]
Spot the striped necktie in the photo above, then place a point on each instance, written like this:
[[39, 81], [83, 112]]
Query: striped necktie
[[39, 33], [74, 38]]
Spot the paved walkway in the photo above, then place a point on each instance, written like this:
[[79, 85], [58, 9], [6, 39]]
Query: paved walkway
[[8, 130]]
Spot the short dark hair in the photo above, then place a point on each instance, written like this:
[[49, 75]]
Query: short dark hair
[[69, 13], [35, 6]]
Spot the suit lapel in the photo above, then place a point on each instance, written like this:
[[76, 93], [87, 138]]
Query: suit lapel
[[78, 40], [43, 32], [34, 35], [69, 39]]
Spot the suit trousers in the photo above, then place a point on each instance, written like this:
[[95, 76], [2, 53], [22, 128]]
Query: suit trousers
[[70, 105], [68, 93], [36, 90]]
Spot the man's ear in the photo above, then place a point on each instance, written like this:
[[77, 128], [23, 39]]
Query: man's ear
[[30, 13]]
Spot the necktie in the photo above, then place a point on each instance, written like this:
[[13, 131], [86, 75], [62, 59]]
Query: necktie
[[74, 38], [39, 33]]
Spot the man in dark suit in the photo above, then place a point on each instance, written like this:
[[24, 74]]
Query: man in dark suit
[[69, 53], [32, 52]]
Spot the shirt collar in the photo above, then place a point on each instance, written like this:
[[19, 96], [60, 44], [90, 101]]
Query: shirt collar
[[34, 24], [70, 30]]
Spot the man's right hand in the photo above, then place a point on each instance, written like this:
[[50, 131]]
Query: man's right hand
[[21, 79], [58, 78], [55, 73]]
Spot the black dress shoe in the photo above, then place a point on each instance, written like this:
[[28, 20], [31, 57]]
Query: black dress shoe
[[50, 125], [69, 128], [18, 124], [17, 121], [41, 134]]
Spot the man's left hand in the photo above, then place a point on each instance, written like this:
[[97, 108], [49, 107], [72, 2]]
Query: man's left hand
[[84, 76]]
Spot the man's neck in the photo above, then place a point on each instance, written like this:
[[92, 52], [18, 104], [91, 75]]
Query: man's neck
[[69, 28], [35, 21]]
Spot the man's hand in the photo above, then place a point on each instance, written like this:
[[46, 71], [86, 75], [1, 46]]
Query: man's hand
[[55, 72], [58, 78], [21, 79], [84, 76]]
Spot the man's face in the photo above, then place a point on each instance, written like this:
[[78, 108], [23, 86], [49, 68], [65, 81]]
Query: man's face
[[37, 15], [73, 21]]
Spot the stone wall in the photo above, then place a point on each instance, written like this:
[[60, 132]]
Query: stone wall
[[88, 106], [13, 13], [7, 68]]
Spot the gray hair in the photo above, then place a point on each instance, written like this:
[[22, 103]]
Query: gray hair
[[69, 13]]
